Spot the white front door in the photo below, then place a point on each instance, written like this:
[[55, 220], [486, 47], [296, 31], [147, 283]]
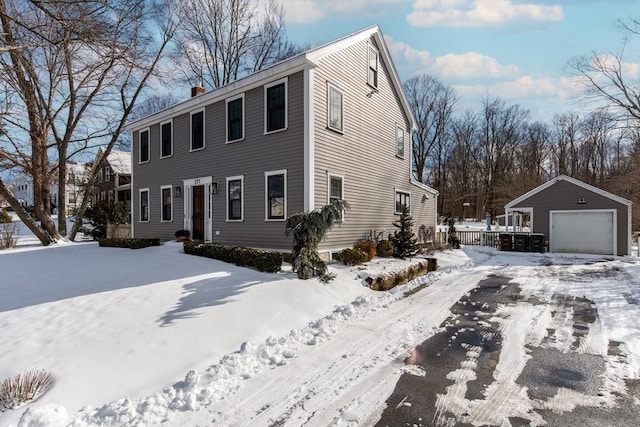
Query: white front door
[[197, 207]]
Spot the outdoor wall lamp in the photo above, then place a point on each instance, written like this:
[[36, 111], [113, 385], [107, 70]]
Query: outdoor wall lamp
[[582, 201], [178, 192]]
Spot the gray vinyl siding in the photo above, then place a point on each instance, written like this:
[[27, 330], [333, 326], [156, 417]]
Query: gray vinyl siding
[[251, 157], [365, 154], [563, 195]]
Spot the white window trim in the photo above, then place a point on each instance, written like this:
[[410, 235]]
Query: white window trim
[[336, 88], [226, 112], [266, 195], [140, 191], [284, 80], [140, 161], [226, 190], [204, 139], [164, 187], [162, 124], [377, 52], [404, 141], [333, 175], [395, 194]]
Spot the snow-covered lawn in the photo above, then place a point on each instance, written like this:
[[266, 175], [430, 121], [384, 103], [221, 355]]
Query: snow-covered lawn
[[140, 337]]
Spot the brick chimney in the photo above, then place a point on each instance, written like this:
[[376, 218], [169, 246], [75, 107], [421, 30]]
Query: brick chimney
[[197, 90]]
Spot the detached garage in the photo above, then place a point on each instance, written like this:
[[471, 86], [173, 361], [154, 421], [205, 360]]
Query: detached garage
[[576, 217]]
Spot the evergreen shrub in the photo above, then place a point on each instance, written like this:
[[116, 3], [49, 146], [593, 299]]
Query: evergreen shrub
[[265, 261], [368, 247], [5, 218], [352, 256], [384, 249], [129, 243], [405, 242]]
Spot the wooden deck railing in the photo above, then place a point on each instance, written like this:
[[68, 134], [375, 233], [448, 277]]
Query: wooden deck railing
[[472, 238]]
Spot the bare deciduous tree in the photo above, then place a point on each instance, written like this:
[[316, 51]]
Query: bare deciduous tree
[[75, 85], [432, 104], [607, 80], [222, 40]]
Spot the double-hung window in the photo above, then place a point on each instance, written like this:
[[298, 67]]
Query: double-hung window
[[107, 173], [197, 130], [143, 143], [276, 195], [399, 141], [166, 139], [166, 197], [144, 204], [336, 189], [235, 198], [372, 76], [403, 201], [275, 104], [335, 108], [235, 118]]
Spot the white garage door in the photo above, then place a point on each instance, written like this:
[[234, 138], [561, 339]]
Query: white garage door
[[582, 232]]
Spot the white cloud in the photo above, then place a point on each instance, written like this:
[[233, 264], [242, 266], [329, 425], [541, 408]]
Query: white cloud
[[471, 65], [305, 11], [451, 66], [480, 13], [534, 93]]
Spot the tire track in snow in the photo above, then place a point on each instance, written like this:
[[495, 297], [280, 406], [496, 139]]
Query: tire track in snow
[[347, 377]]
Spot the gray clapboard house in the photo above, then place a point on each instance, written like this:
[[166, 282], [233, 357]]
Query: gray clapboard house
[[232, 164]]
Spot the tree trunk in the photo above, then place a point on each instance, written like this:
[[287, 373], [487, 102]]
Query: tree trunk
[[62, 195], [31, 224]]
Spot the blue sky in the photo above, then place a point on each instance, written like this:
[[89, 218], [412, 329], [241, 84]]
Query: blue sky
[[515, 49]]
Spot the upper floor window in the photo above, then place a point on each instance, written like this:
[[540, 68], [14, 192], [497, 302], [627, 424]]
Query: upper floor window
[[197, 130], [235, 198], [144, 146], [107, 173], [166, 197], [275, 104], [276, 194], [399, 142], [403, 200], [335, 108], [235, 118], [372, 77], [166, 139], [144, 204]]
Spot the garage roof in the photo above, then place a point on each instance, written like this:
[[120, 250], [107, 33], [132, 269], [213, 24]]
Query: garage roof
[[572, 181]]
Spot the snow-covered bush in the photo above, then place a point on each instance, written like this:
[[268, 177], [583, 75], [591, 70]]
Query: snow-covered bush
[[23, 388]]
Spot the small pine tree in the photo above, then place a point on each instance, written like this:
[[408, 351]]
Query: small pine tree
[[405, 242], [307, 230], [453, 239]]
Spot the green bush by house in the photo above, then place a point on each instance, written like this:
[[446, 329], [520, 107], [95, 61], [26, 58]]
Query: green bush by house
[[266, 261], [129, 243], [352, 256]]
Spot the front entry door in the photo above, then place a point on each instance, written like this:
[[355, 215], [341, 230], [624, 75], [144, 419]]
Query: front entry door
[[198, 213]]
